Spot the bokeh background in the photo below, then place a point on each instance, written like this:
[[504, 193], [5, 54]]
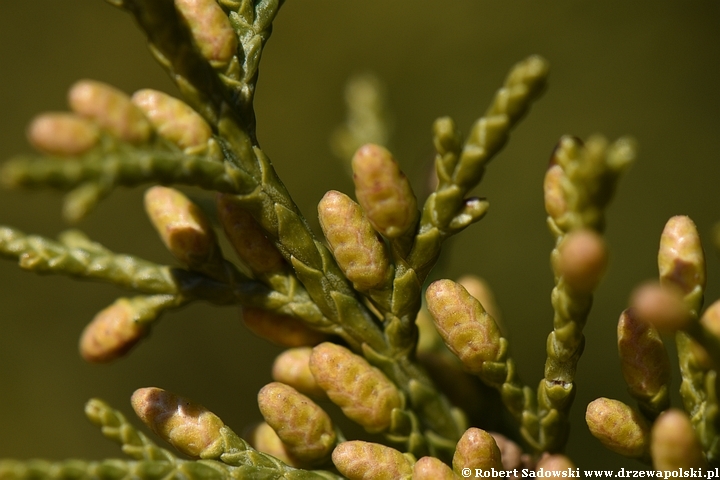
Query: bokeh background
[[648, 69]]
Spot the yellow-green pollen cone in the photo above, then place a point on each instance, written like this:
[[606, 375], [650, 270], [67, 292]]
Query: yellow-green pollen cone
[[383, 191], [363, 392], [187, 426], [112, 333], [360, 254], [173, 119], [674, 443], [681, 259], [182, 226], [62, 133], [292, 367], [111, 109], [619, 427], [210, 28], [476, 449], [304, 427], [643, 359], [359, 460], [467, 329]]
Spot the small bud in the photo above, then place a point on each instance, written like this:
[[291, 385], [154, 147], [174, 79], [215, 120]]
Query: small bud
[[360, 254], [472, 210], [363, 392], [446, 136], [173, 119], [111, 109], [292, 367], [210, 28], [661, 306], [643, 358], [62, 134], [467, 329], [674, 443], [113, 332], [476, 449], [182, 226], [188, 426], [681, 260], [282, 330], [618, 427], [359, 460], [555, 203], [264, 439], [431, 468], [247, 237], [555, 462], [581, 260], [304, 427], [383, 191]]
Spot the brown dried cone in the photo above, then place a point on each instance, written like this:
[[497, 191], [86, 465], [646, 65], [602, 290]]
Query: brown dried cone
[[304, 427], [111, 109], [465, 326], [292, 367], [184, 230], [431, 468], [282, 330], [644, 362], [187, 426], [360, 254], [359, 460], [383, 191], [476, 449], [581, 260], [363, 392], [674, 443], [211, 30], [119, 327], [247, 237], [62, 134], [264, 439], [173, 119], [619, 427]]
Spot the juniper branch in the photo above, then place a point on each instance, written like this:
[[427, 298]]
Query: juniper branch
[[43, 255], [587, 176], [460, 167], [149, 470], [124, 166], [115, 426]]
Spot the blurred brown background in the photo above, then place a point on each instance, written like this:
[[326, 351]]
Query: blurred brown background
[[649, 69]]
